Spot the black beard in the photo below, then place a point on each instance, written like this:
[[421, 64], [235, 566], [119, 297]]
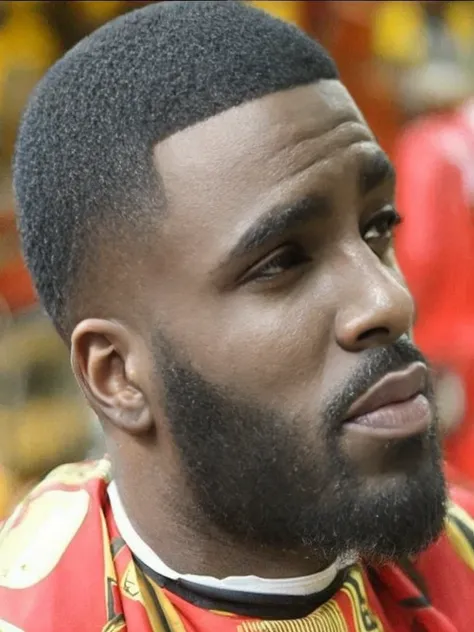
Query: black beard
[[256, 475]]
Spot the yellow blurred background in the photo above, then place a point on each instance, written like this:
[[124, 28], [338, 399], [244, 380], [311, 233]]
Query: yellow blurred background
[[400, 60]]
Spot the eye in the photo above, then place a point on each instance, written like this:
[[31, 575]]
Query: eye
[[378, 233], [287, 258]]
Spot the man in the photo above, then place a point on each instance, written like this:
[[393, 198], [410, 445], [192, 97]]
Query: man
[[209, 224]]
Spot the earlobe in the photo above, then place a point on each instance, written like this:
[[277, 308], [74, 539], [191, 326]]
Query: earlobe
[[104, 355]]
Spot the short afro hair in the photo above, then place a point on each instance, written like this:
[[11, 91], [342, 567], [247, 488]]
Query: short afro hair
[[83, 161]]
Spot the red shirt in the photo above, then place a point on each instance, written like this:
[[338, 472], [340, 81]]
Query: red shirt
[[64, 566]]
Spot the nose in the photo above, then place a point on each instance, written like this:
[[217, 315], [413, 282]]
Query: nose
[[376, 308]]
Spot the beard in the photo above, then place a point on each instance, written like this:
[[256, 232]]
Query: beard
[[265, 479]]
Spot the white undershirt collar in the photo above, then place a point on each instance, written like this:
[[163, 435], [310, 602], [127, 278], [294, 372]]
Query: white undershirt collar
[[295, 586]]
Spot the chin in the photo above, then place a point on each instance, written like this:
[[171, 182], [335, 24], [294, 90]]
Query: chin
[[408, 512], [373, 459], [385, 515]]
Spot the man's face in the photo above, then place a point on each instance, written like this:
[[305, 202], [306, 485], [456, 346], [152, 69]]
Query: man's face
[[276, 304]]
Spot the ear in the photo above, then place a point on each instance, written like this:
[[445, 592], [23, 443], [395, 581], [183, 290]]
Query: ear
[[105, 358]]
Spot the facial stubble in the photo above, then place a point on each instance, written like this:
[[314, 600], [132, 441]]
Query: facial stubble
[[267, 480]]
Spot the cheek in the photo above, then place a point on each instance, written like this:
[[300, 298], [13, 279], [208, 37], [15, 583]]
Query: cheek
[[267, 345]]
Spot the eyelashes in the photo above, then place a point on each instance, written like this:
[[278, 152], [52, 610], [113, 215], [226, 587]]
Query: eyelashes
[[382, 225], [285, 258], [378, 233]]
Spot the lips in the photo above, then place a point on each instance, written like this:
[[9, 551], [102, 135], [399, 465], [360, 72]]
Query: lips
[[393, 388]]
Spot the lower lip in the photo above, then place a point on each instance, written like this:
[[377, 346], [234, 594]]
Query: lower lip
[[395, 421]]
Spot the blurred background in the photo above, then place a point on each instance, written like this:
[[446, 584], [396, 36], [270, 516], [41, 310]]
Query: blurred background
[[410, 67]]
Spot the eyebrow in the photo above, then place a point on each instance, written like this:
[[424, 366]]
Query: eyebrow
[[279, 221], [376, 170]]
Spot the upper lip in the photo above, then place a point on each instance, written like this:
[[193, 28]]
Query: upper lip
[[394, 387]]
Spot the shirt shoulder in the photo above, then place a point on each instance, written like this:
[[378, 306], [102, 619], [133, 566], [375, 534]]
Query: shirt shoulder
[[460, 525], [47, 543], [456, 544], [447, 567], [68, 488], [90, 476]]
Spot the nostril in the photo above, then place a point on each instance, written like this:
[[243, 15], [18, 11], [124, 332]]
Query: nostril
[[375, 332]]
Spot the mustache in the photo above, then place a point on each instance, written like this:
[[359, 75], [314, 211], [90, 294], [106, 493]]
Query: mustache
[[374, 366]]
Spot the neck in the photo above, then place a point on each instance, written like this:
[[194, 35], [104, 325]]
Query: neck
[[189, 547]]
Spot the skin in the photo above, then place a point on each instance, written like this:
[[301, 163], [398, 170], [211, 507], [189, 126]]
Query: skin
[[280, 327]]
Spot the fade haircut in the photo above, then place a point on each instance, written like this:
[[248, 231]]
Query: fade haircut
[[83, 167]]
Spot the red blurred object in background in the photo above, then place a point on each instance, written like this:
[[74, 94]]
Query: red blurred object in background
[[15, 282], [345, 28], [435, 249]]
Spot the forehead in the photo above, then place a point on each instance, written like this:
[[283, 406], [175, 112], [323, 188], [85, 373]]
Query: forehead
[[221, 173]]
